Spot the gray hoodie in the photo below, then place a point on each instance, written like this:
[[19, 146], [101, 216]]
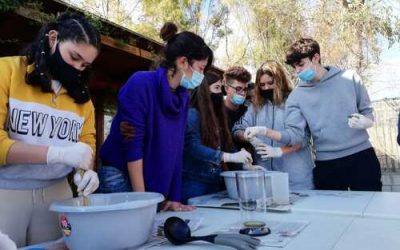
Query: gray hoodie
[[322, 108], [298, 164]]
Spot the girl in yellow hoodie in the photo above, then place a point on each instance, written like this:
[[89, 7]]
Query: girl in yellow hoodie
[[46, 127]]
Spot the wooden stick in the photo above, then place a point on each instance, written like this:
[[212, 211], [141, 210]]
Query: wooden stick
[[85, 198]]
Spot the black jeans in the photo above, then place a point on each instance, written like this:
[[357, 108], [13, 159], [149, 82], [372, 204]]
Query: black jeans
[[360, 171]]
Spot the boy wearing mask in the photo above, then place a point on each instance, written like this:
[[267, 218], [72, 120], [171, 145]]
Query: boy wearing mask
[[236, 80], [334, 106], [235, 84]]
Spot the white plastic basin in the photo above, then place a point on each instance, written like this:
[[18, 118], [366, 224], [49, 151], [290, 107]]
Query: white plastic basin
[[111, 221], [230, 183]]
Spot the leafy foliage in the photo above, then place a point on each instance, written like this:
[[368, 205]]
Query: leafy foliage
[[10, 5], [350, 32], [206, 18], [146, 17]]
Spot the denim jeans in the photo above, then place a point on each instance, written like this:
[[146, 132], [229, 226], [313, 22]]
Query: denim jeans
[[113, 180], [192, 188]]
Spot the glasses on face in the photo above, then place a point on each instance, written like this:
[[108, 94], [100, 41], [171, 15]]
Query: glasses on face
[[250, 86], [238, 89]]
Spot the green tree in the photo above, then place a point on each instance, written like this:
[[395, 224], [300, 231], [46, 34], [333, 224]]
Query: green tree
[[120, 12], [204, 17], [250, 32], [348, 31], [263, 30], [9, 5]]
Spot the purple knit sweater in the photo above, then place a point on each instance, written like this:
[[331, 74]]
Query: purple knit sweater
[[159, 117]]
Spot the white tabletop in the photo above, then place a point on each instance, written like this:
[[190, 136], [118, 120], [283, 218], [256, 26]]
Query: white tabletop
[[384, 205], [349, 203], [337, 221], [311, 238], [370, 234], [330, 232]]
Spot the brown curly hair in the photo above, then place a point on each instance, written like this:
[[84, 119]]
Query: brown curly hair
[[237, 73], [302, 48]]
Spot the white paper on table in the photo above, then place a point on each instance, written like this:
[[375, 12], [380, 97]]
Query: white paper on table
[[341, 194], [282, 232]]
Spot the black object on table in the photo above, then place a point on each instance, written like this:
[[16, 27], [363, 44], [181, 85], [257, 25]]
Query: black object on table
[[178, 232]]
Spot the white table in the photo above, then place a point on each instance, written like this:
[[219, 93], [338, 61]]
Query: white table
[[357, 230], [337, 221], [384, 205], [349, 203], [311, 238], [370, 234]]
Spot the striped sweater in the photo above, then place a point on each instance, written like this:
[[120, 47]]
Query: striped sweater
[[28, 115]]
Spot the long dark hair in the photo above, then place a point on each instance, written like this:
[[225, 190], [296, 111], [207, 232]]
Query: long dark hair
[[213, 120], [70, 27], [185, 43]]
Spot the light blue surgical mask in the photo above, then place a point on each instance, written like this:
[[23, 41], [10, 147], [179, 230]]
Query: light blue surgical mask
[[238, 99], [193, 82], [307, 75]]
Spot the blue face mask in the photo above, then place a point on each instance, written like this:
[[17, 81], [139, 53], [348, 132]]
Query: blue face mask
[[193, 82], [238, 99], [307, 75]]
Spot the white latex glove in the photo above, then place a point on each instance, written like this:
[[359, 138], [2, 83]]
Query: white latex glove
[[6, 243], [239, 157], [88, 183], [79, 155], [252, 167], [267, 151], [359, 121], [251, 132], [255, 142]]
